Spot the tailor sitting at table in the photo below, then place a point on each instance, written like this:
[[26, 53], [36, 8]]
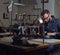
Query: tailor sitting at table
[[52, 28]]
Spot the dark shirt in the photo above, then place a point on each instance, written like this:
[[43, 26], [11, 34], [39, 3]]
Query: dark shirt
[[53, 26]]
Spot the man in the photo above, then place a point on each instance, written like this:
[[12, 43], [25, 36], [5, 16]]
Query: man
[[52, 28]]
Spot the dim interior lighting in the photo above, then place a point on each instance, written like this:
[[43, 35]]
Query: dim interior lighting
[[40, 20]]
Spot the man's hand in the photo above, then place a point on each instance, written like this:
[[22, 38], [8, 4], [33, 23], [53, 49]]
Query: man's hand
[[51, 34]]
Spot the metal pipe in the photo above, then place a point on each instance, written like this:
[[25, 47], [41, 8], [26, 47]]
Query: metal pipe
[[43, 21]]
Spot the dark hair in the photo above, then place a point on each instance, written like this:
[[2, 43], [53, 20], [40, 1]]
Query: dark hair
[[44, 11]]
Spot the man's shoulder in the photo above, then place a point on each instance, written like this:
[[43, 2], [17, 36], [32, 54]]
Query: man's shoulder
[[57, 19]]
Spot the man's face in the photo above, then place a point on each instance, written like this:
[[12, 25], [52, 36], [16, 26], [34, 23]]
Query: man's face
[[46, 17]]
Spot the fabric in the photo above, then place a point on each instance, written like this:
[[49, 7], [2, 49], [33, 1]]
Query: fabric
[[53, 26]]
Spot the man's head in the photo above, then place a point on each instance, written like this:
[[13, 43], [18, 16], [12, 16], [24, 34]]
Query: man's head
[[46, 15]]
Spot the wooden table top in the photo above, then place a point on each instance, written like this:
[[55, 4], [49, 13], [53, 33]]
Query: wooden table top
[[6, 33], [38, 46]]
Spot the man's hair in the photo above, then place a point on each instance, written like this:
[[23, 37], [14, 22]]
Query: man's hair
[[44, 11]]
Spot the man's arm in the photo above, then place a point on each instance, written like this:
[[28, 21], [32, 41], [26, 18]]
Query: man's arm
[[58, 27], [51, 34]]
